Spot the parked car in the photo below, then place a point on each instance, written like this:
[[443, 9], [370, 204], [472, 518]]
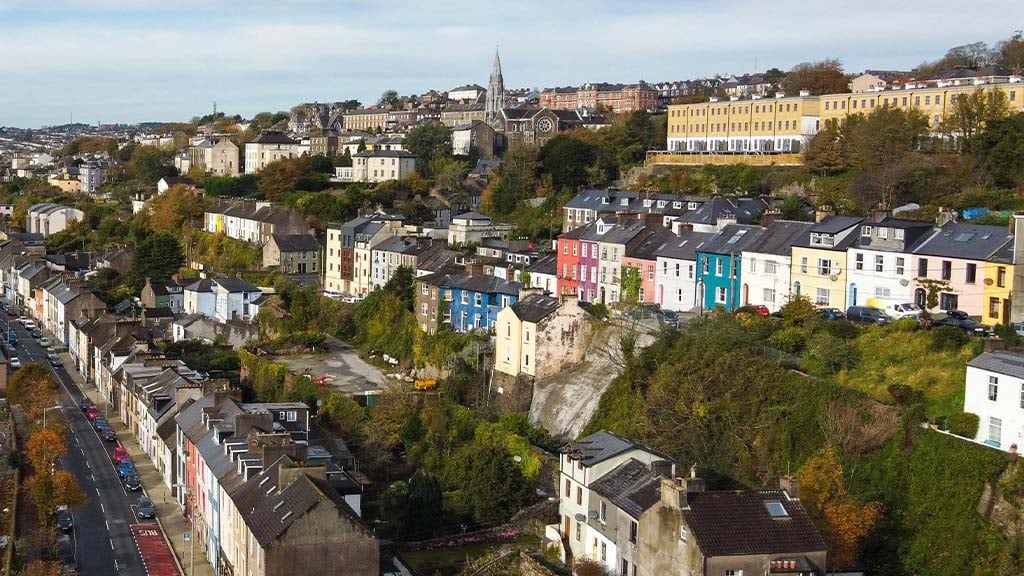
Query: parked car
[[65, 521], [832, 314], [132, 483], [35, 333], [85, 404], [903, 310], [668, 317], [145, 508], [867, 315], [958, 314], [44, 342], [29, 324], [108, 434], [92, 413], [758, 309], [15, 362], [100, 423], [966, 324], [120, 454], [54, 360], [125, 468]]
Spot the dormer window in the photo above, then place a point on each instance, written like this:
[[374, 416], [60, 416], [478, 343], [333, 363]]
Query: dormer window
[[604, 200], [662, 203], [865, 231], [689, 206], [624, 202], [677, 205], [648, 203], [883, 233]]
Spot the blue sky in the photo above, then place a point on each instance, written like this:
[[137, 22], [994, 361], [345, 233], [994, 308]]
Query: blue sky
[[138, 60]]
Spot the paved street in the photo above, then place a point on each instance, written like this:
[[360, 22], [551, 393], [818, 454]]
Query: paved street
[[104, 541]]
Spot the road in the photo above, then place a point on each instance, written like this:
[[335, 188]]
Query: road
[[103, 533]]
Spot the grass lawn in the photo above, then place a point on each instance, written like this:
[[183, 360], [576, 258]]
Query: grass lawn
[[888, 356], [452, 560]]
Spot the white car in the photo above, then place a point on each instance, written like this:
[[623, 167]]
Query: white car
[[903, 310], [15, 362], [29, 324]]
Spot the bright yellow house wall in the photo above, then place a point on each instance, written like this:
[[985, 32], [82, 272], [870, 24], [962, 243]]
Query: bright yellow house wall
[[810, 280], [993, 290]]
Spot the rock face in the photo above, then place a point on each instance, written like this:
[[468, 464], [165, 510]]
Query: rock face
[[564, 403], [996, 505]]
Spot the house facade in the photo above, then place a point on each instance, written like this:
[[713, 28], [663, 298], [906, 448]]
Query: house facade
[[720, 268], [820, 271], [994, 391], [292, 254], [539, 335], [879, 263], [768, 265], [266, 148]]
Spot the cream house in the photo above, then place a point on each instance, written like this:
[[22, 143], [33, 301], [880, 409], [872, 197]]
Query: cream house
[[378, 166], [539, 335], [266, 148]]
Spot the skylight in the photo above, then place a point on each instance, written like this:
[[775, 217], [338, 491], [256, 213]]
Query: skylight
[[739, 234], [776, 509], [963, 237]]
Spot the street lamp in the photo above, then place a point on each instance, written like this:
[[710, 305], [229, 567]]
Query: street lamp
[[45, 410], [192, 536]]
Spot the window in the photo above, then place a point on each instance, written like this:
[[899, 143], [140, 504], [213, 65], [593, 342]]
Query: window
[[879, 263], [579, 530], [632, 532], [603, 515], [677, 269], [526, 335], [584, 250], [993, 308], [882, 292], [604, 551], [947, 270], [682, 532], [995, 430], [769, 266], [508, 329], [859, 262], [579, 496], [423, 289], [740, 572], [865, 231], [883, 233], [824, 267], [753, 265], [720, 295], [293, 415], [1001, 277], [423, 309], [574, 248], [821, 296], [465, 297], [769, 295], [901, 266], [719, 267], [993, 388], [803, 265], [972, 273], [922, 268], [526, 360], [624, 571]]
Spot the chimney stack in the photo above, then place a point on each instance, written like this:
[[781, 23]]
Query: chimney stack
[[880, 213], [945, 216], [823, 212], [790, 486], [769, 216]]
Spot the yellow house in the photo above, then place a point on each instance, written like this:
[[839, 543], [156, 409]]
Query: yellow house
[[998, 285], [67, 184], [757, 125], [540, 335], [932, 101], [819, 261]]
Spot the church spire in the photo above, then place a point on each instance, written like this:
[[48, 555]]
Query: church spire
[[495, 90]]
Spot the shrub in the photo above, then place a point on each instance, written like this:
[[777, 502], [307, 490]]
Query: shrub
[[948, 338], [1009, 335], [790, 339], [906, 325], [963, 424], [599, 311]]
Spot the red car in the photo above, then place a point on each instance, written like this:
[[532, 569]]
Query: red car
[[120, 454], [92, 413]]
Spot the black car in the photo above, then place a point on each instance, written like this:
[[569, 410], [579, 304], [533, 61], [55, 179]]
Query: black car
[[958, 314], [966, 324], [668, 317], [132, 483], [145, 508], [867, 315], [65, 521], [100, 423], [36, 333], [832, 314], [85, 404], [108, 434]]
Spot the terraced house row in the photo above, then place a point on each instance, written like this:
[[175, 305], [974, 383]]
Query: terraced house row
[[735, 252]]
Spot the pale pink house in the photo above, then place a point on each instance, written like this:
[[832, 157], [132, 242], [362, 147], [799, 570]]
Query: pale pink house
[[643, 257], [957, 254]]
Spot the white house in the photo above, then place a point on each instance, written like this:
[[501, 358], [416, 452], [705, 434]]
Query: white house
[[995, 392], [378, 166], [47, 219], [222, 299], [768, 265], [473, 227], [676, 265], [878, 264], [266, 148]]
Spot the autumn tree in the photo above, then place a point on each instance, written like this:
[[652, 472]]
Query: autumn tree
[[516, 180], [972, 112], [1011, 51], [878, 145], [149, 164], [178, 206], [824, 77], [824, 153], [33, 388], [40, 568], [50, 489], [288, 175], [428, 142], [841, 519], [44, 448]]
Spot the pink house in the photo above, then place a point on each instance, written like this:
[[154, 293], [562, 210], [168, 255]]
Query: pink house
[[643, 257], [956, 254]]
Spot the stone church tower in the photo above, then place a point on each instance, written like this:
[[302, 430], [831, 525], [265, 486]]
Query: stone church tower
[[495, 92]]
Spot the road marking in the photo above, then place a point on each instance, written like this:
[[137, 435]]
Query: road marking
[[102, 508], [107, 522]]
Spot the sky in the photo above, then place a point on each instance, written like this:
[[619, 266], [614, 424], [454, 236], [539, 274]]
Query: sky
[[169, 60]]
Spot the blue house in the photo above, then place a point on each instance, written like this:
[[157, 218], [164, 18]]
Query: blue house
[[719, 267], [473, 300]]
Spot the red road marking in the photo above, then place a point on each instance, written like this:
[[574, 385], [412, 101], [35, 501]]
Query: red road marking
[[156, 555]]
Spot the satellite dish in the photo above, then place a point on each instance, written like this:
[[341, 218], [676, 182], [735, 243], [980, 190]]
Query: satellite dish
[[580, 518], [904, 282], [833, 277]]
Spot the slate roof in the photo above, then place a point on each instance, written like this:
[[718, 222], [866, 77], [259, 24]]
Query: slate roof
[[603, 445], [1000, 362], [733, 239], [535, 307], [203, 285], [914, 232], [745, 210], [780, 236], [614, 233], [296, 242], [546, 264], [962, 240], [684, 246], [384, 154], [648, 247], [630, 486], [836, 224], [272, 138], [235, 285], [738, 523], [481, 283], [472, 216]]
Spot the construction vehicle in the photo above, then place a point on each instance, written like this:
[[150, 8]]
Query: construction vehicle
[[426, 384]]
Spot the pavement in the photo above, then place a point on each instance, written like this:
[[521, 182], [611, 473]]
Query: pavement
[[341, 364], [171, 517]]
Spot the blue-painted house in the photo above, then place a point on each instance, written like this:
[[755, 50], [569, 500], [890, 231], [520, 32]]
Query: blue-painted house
[[719, 267], [473, 300]]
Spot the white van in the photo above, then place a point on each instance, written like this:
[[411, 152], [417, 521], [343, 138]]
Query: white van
[[903, 310]]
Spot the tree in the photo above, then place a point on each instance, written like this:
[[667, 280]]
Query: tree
[[44, 448], [178, 206], [41, 568], [401, 285], [243, 185], [389, 99], [449, 174], [824, 77], [350, 105], [50, 489], [32, 387], [878, 145], [1011, 51], [425, 505], [842, 521], [974, 55], [566, 159], [284, 176], [586, 567], [774, 76], [149, 164], [824, 153], [427, 142], [491, 482], [632, 279], [999, 151], [158, 256], [933, 287], [972, 112], [516, 179]]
